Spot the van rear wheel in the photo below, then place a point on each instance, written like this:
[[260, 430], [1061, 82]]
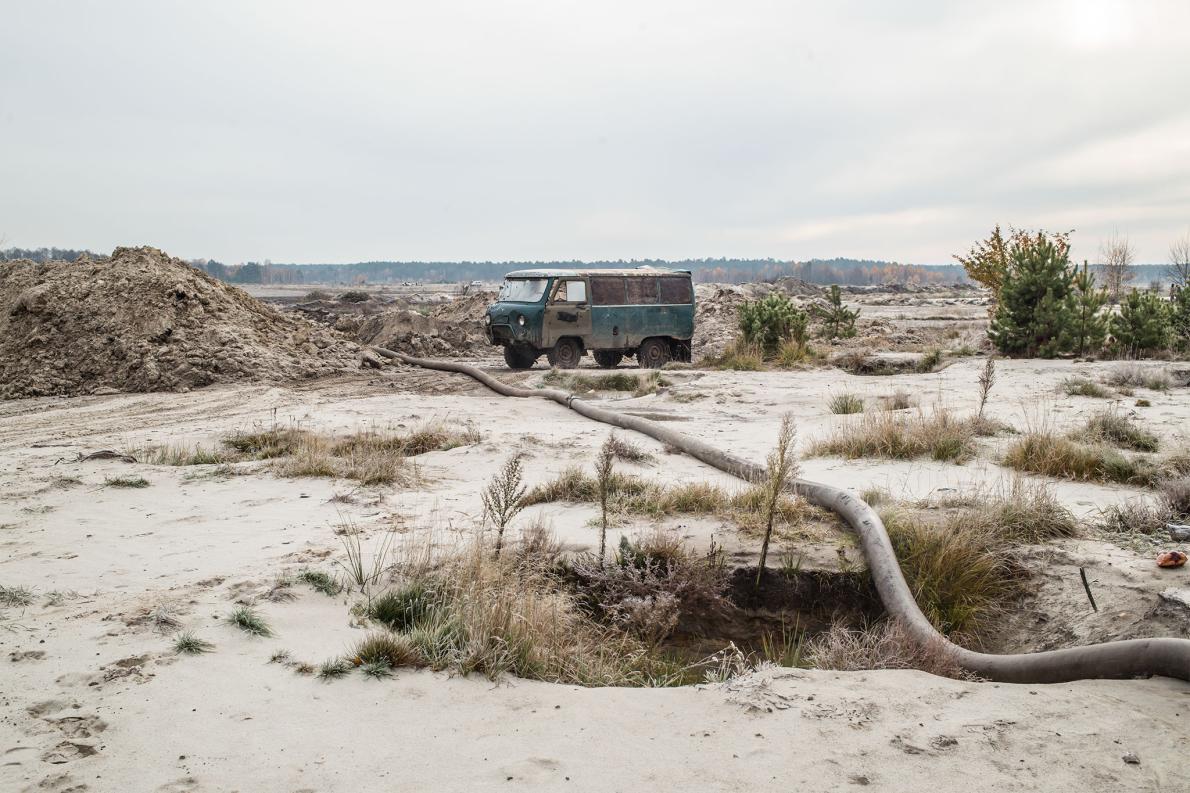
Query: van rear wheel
[[518, 357], [565, 354], [653, 354], [608, 359]]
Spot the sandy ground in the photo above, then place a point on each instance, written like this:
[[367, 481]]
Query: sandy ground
[[94, 699]]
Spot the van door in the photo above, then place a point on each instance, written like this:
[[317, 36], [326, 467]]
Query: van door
[[609, 328], [567, 313]]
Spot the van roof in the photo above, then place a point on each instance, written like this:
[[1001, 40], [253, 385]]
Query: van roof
[[642, 270]]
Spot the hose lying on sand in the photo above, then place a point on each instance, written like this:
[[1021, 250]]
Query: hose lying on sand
[[1121, 659]]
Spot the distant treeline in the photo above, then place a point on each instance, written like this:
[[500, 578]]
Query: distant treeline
[[821, 271]]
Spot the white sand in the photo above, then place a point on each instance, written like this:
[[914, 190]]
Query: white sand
[[94, 697]]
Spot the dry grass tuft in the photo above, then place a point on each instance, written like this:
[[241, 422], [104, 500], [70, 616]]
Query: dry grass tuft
[[1151, 516], [887, 645], [1112, 427], [739, 356], [126, 482], [1137, 375], [1081, 386], [639, 385], [628, 451], [181, 454], [846, 403], [1043, 452], [940, 435]]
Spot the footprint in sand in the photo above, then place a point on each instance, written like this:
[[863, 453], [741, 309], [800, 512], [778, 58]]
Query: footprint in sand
[[68, 751], [58, 783], [79, 726]]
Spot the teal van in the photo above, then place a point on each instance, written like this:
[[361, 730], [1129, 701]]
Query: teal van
[[647, 312]]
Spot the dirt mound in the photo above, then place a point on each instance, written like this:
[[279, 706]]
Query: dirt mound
[[144, 321], [454, 328]]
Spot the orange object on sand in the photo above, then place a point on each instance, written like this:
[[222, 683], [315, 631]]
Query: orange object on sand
[[1171, 559]]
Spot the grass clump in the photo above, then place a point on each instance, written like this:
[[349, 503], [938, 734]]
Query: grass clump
[[940, 435], [15, 596], [1110, 426], [266, 444], [402, 608], [617, 381], [846, 403], [126, 481], [898, 400], [930, 361], [739, 356], [1139, 376], [1043, 452], [628, 451], [391, 650], [960, 572], [250, 621], [1082, 386], [182, 455], [188, 644], [321, 582], [334, 669]]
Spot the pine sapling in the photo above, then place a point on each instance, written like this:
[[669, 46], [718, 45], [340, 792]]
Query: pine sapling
[[781, 466], [603, 476], [987, 379], [503, 497]]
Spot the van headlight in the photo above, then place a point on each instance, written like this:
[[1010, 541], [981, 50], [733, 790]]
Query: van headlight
[[520, 320], [487, 319]]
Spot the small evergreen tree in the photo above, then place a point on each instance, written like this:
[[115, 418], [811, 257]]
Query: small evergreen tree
[[837, 319], [1180, 317], [1088, 325], [771, 320], [1143, 324], [1032, 318]]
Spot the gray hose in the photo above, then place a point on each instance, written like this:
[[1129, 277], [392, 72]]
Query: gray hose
[[1122, 659]]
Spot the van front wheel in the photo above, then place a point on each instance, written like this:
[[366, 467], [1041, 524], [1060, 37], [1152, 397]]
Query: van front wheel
[[653, 354], [565, 354], [518, 357], [608, 359]]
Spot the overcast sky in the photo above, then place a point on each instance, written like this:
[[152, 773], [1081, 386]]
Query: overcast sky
[[343, 131]]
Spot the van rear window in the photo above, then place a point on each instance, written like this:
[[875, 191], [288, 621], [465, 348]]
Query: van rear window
[[676, 290], [641, 291], [607, 290]]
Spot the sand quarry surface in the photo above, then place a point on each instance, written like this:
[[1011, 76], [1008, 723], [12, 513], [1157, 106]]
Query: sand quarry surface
[[95, 699]]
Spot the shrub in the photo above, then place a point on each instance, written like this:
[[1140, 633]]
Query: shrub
[[887, 645], [846, 403], [354, 296], [1032, 316], [930, 361], [837, 320], [317, 294], [772, 320], [1143, 324], [1087, 327]]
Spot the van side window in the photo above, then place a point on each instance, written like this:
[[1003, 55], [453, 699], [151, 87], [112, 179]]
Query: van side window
[[571, 292], [607, 290], [676, 290], [641, 291]]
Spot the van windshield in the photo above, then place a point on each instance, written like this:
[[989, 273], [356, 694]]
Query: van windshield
[[523, 290]]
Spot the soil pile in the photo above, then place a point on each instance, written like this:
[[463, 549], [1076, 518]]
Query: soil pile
[[454, 328], [144, 321]]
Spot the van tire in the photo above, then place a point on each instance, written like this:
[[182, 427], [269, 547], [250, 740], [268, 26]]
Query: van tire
[[518, 357], [608, 359], [653, 353], [566, 354]]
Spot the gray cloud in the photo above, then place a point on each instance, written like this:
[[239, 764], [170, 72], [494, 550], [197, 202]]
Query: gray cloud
[[319, 131]]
